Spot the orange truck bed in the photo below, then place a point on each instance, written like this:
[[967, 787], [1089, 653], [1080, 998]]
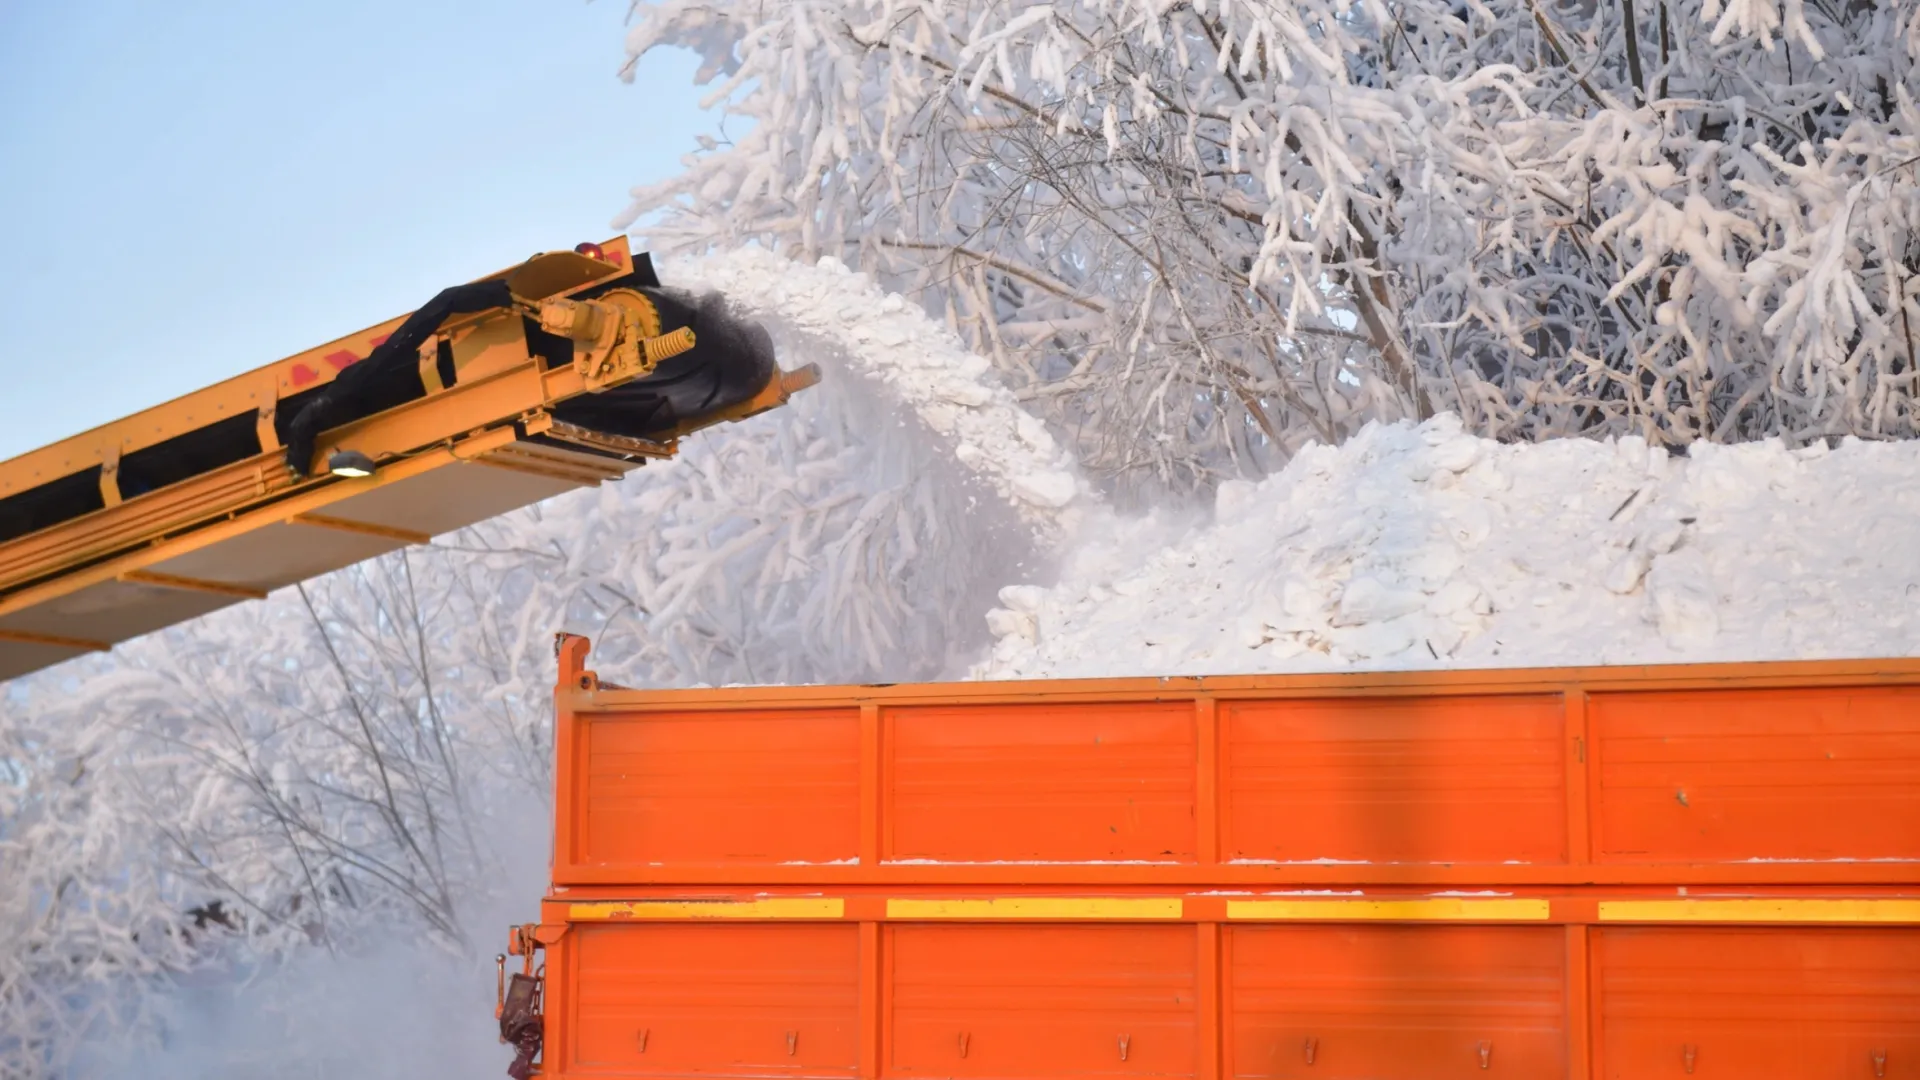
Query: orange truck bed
[[1707, 871]]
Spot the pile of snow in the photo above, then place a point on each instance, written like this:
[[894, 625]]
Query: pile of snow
[[1421, 547], [1406, 547], [923, 365]]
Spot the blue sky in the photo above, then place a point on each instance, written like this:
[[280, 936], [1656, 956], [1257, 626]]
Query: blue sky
[[194, 189]]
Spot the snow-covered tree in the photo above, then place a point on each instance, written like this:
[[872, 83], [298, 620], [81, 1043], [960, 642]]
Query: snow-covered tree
[[1200, 233]]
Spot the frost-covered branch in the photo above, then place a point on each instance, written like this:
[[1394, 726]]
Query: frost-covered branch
[[1694, 221]]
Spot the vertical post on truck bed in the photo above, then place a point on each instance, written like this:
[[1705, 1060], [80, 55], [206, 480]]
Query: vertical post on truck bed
[[1581, 1022], [571, 680], [568, 745], [1212, 1026], [871, 1051], [870, 786], [1207, 843], [1578, 747], [872, 1048], [1206, 788]]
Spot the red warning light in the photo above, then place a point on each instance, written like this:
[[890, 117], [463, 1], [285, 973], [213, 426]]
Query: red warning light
[[592, 251]]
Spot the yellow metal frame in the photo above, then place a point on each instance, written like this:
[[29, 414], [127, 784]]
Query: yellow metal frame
[[486, 418], [257, 391]]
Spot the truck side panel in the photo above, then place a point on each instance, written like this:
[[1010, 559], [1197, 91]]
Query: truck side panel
[[667, 999], [1582, 873], [1362, 1001], [1254, 782], [1758, 1002], [1475, 779], [1065, 783], [751, 787], [1720, 776]]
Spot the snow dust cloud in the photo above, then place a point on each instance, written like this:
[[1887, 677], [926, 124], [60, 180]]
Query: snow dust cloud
[[389, 1006]]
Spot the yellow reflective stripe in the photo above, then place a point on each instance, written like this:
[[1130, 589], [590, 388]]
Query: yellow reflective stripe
[[1756, 910], [1038, 907], [1441, 908], [771, 908]]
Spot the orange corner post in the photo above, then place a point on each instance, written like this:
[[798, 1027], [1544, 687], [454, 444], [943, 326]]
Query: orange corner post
[[570, 650]]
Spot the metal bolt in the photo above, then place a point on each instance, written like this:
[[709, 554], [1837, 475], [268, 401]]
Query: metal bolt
[[1486, 1055], [1125, 1041], [1312, 1048], [1687, 1053]]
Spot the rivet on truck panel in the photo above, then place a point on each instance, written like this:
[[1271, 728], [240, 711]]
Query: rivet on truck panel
[[1879, 1062], [1312, 1048], [964, 1039], [1686, 1057], [793, 1042], [1124, 1041], [1486, 1055], [643, 1039]]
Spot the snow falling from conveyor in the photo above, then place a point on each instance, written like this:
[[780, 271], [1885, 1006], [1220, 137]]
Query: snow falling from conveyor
[[1407, 547]]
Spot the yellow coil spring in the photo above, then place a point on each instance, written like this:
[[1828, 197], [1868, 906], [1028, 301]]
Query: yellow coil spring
[[667, 345]]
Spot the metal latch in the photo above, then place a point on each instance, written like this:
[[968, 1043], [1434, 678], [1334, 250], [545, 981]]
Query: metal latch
[[520, 997]]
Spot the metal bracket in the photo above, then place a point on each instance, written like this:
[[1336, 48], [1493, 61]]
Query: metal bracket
[[264, 415], [430, 365], [624, 445], [616, 336], [110, 476]]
